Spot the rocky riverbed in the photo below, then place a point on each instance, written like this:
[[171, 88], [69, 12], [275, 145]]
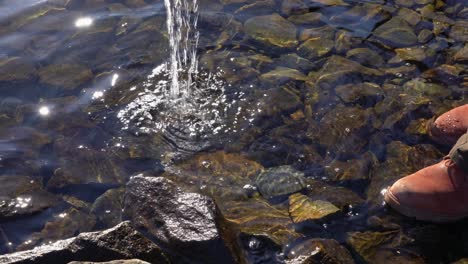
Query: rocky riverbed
[[323, 104]]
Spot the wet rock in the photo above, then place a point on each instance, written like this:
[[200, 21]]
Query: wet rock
[[257, 8], [292, 60], [425, 55], [330, 2], [119, 242], [182, 221], [352, 169], [309, 19], [425, 36], [462, 54], [281, 75], [314, 251], [395, 33], [458, 31], [338, 70], [315, 48], [447, 74], [419, 86], [323, 32], [410, 16], [279, 181], [343, 131], [65, 225], [364, 94], [365, 56], [220, 175], [274, 101], [22, 195], [272, 30], [256, 219], [66, 76], [345, 41], [302, 208], [341, 197], [380, 247], [289, 7], [360, 20], [79, 164], [108, 207], [16, 69], [122, 261]]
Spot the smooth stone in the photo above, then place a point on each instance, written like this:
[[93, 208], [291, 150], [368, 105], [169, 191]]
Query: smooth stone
[[424, 55], [341, 197], [315, 48], [462, 54], [119, 242], [294, 61], [459, 31], [410, 16], [182, 221], [352, 169], [318, 250], [272, 30], [16, 69], [289, 7], [22, 196], [279, 181], [302, 208], [281, 75], [329, 2], [323, 32], [395, 33], [425, 36], [365, 56], [257, 8], [66, 76], [310, 19], [365, 94]]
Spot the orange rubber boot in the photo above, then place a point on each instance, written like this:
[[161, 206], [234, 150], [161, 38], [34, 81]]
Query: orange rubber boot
[[448, 127]]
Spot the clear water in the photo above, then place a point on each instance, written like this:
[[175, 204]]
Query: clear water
[[92, 92]]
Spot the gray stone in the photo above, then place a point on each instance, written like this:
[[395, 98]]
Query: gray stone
[[395, 33]]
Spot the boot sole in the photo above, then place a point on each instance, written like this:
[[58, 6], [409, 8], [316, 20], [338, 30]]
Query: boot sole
[[391, 200]]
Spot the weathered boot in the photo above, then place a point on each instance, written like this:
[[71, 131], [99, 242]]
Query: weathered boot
[[448, 127], [438, 193]]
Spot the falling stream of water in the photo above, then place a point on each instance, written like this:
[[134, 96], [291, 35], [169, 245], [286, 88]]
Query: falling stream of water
[[182, 17]]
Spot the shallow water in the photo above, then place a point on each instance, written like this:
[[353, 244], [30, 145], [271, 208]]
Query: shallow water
[[339, 90]]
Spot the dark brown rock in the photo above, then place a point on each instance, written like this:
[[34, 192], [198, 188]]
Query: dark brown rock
[[119, 242], [319, 251]]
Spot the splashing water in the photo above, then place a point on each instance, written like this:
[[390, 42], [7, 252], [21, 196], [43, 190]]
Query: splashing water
[[185, 105]]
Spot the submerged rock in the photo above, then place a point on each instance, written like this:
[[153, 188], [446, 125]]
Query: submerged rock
[[279, 181], [281, 75], [108, 207], [22, 195], [272, 30], [65, 76], [182, 221], [16, 69], [302, 208], [319, 251], [119, 242], [365, 57], [67, 224], [395, 33], [315, 48]]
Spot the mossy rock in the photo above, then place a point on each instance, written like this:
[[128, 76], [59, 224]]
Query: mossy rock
[[302, 208], [65, 76], [279, 181], [319, 251], [272, 30], [395, 33]]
